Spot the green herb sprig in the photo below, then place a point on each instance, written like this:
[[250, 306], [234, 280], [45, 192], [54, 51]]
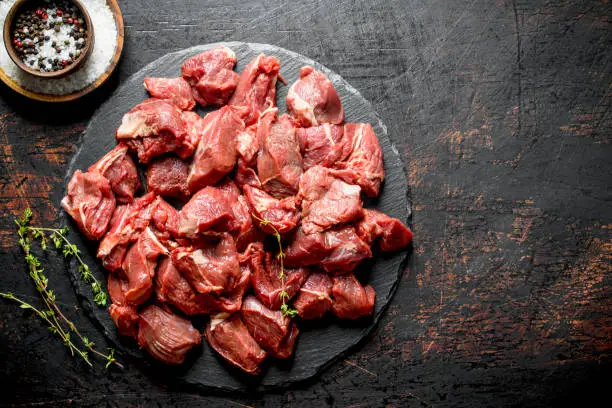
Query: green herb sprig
[[284, 296], [51, 314]]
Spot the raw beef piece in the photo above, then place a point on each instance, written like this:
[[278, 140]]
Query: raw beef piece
[[90, 202], [167, 177], [327, 201], [124, 315], [175, 90], [245, 175], [312, 99], [211, 76], [152, 128], [216, 153], [392, 234], [256, 90], [364, 166], [245, 231], [139, 266], [313, 299], [165, 222], [249, 142], [229, 337], [209, 267], [166, 336], [267, 284], [172, 288], [194, 126], [127, 223], [337, 250], [268, 327], [279, 163], [208, 210], [281, 214], [323, 145], [351, 300], [120, 171]]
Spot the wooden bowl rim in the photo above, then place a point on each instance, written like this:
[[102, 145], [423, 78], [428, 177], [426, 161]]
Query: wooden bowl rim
[[78, 63]]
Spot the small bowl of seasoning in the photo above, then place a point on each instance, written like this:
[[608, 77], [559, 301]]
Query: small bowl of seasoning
[[48, 38]]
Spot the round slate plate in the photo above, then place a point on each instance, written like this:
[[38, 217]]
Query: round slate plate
[[320, 342]]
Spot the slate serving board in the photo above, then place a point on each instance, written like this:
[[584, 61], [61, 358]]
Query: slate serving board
[[320, 342]]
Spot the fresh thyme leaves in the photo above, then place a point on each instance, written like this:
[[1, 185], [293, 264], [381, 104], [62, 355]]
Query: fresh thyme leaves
[[51, 314], [285, 308], [60, 241]]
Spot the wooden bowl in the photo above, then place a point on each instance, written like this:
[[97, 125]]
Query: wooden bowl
[[8, 44]]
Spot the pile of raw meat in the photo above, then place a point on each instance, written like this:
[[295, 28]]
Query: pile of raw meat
[[304, 173]]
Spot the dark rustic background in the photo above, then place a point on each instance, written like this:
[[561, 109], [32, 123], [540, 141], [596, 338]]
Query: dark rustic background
[[501, 110]]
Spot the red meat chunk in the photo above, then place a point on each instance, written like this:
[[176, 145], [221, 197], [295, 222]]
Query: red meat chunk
[[267, 284], [120, 171], [216, 153], [90, 202], [249, 142], [351, 300], [323, 145], [152, 128], [208, 210], [209, 267], [327, 201], [256, 90], [364, 166], [337, 250], [314, 298], [167, 177], [165, 222], [166, 336], [139, 266], [390, 232], [246, 175], [313, 100], [279, 164], [211, 76], [269, 328], [281, 214], [229, 337], [194, 127], [124, 315], [175, 90]]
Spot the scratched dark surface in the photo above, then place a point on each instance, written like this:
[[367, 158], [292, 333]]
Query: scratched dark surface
[[501, 111]]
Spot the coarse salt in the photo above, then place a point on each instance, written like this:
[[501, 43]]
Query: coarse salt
[[105, 31]]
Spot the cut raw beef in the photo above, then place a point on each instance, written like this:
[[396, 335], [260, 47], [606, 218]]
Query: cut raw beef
[[281, 214], [127, 223], [313, 100], [256, 90], [194, 127], [216, 153], [246, 175], [175, 90], [172, 288], [323, 145], [351, 300], [229, 337], [209, 267], [337, 250], [268, 286], [249, 142], [313, 299], [90, 202], [139, 266], [167, 177], [392, 234], [268, 327], [166, 336], [124, 315], [285, 348], [327, 201], [165, 222], [364, 166], [245, 231], [279, 163], [211, 76], [120, 171], [152, 128], [208, 210]]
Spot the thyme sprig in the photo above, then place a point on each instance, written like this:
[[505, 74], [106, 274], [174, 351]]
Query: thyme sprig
[[284, 296], [51, 314]]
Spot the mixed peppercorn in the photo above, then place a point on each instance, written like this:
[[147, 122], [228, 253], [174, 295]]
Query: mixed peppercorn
[[51, 36]]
